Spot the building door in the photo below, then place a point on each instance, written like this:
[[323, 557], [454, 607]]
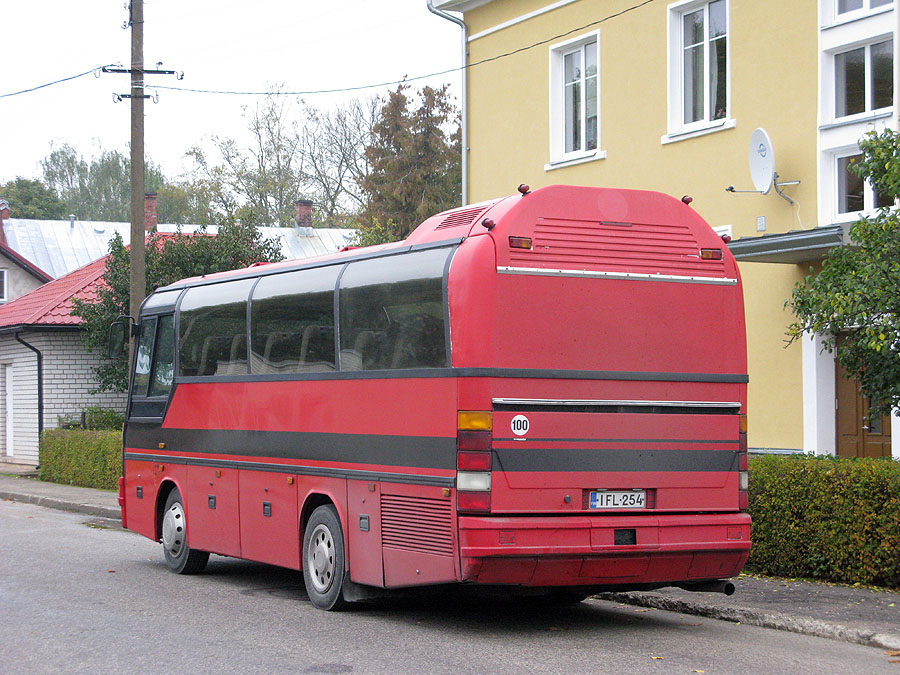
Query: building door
[[857, 435]]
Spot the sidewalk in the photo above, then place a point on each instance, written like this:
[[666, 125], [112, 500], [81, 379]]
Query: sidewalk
[[845, 613]]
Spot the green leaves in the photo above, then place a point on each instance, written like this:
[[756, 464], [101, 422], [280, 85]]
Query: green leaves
[[856, 295]]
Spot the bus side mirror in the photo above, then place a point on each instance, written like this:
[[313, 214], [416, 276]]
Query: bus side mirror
[[118, 338]]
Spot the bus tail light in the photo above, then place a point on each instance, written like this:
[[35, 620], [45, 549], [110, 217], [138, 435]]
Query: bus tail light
[[743, 473], [473, 461], [710, 254]]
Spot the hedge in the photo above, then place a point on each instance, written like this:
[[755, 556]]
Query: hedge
[[81, 457], [826, 518]]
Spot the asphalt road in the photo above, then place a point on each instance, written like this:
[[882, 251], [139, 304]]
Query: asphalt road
[[75, 597]]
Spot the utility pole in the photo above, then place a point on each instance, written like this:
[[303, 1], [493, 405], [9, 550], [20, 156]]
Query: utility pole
[[138, 247], [138, 284]]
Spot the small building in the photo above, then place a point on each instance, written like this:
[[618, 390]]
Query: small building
[[18, 275], [45, 370]]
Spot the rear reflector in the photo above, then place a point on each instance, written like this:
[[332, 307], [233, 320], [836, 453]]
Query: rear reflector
[[473, 461], [523, 242], [473, 440], [474, 420], [473, 502]]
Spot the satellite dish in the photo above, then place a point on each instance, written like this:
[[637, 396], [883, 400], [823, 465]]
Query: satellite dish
[[762, 161]]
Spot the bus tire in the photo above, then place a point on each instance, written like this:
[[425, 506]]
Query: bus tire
[[323, 559], [180, 558]]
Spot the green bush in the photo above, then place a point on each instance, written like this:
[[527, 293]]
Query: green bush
[[99, 418], [826, 518], [83, 457]]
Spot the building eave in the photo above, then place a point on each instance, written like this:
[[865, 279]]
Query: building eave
[[459, 5], [795, 247]]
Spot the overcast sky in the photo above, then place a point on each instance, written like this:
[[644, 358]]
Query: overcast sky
[[235, 45]]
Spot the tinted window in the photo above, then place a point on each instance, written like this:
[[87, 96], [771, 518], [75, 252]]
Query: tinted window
[[163, 357], [392, 312], [213, 329], [292, 322], [142, 357]]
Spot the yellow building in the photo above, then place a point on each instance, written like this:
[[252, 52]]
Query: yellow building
[[666, 96]]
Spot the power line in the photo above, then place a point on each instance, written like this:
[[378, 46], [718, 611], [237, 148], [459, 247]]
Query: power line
[[418, 77], [364, 86], [65, 79]]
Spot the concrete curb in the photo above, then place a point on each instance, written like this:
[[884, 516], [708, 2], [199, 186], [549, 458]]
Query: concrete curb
[[751, 617], [64, 505]]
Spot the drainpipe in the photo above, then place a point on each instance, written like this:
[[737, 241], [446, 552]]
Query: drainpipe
[[465, 78], [40, 382]]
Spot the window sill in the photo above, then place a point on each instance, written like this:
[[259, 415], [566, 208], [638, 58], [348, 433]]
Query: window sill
[[675, 136], [859, 118], [571, 161]]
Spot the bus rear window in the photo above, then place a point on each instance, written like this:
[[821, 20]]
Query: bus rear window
[[213, 329], [392, 312], [292, 322]]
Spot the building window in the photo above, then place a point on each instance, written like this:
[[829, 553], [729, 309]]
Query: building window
[[704, 63], [846, 6], [698, 69], [3, 296], [855, 195], [575, 101], [864, 79]]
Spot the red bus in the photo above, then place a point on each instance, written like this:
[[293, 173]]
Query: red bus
[[546, 391]]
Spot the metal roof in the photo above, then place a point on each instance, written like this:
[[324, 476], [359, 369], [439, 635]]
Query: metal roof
[[59, 246]]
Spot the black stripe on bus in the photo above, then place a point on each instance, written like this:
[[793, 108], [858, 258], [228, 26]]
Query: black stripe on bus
[[420, 452], [326, 472], [507, 373], [624, 460]]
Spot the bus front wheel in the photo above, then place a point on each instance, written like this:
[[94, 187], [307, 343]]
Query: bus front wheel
[[323, 559], [180, 558]]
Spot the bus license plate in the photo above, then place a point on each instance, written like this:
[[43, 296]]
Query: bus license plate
[[607, 499]]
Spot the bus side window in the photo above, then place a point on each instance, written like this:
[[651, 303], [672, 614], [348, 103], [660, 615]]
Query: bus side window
[[213, 327], [163, 358], [292, 322], [142, 357], [392, 312]]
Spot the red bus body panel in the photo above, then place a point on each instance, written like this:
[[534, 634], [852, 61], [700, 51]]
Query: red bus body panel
[[623, 347]]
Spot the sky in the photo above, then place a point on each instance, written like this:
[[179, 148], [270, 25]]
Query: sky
[[233, 45]]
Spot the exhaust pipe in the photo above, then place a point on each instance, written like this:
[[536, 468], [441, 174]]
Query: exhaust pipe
[[715, 586]]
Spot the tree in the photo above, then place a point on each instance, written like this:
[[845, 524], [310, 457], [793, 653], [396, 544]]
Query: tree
[[99, 189], [32, 199], [261, 183], [169, 258], [414, 158], [856, 296]]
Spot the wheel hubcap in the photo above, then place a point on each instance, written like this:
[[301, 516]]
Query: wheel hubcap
[[173, 530], [320, 558]]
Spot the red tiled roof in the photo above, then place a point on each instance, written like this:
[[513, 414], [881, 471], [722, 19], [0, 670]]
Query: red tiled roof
[[51, 304]]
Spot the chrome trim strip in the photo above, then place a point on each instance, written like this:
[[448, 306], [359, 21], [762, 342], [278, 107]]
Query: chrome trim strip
[[628, 276], [642, 404]]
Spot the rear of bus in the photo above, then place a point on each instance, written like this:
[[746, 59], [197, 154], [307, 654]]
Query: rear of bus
[[598, 338]]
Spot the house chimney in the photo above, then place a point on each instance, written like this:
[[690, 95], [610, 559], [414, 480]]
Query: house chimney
[[4, 216], [150, 212], [304, 212]]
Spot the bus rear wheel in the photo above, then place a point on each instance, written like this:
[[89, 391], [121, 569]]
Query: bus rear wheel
[[323, 559], [180, 558]]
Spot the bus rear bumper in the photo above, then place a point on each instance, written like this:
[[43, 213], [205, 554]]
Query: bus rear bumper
[[602, 550]]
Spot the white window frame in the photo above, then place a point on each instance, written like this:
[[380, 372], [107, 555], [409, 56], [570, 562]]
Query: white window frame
[[4, 274], [868, 190], [831, 15], [677, 129], [830, 106], [558, 156]]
